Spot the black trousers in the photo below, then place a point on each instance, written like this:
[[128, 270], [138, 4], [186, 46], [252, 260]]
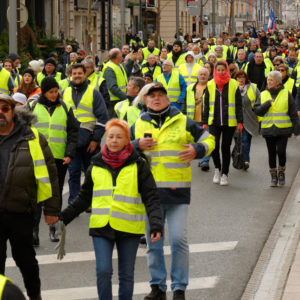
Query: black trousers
[[227, 135], [277, 147], [61, 172], [17, 228]]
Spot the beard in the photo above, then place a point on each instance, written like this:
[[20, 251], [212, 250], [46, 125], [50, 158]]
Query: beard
[[3, 122]]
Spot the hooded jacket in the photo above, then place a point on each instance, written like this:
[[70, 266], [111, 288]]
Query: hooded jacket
[[18, 192]]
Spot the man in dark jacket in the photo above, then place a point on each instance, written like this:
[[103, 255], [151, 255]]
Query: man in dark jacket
[[65, 58], [27, 176], [90, 111], [173, 141]]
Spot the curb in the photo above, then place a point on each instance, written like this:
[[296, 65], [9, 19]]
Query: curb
[[270, 274]]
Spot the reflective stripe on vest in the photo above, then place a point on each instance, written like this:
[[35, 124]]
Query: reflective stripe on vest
[[233, 86], [173, 87], [194, 74], [40, 76], [289, 85], [298, 75], [44, 189], [120, 76], [53, 127], [84, 110], [4, 78], [277, 114], [121, 108], [121, 206], [190, 101]]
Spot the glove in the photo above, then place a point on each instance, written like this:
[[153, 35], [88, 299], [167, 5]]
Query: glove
[[204, 126], [61, 230], [240, 127]]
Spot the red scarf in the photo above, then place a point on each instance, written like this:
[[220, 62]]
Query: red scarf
[[221, 80], [116, 159]]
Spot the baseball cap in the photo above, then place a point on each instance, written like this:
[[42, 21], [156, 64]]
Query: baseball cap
[[9, 100], [157, 87]]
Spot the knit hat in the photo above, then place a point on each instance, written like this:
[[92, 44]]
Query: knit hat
[[48, 83], [179, 43], [29, 71], [20, 98], [190, 53], [13, 56], [50, 61]]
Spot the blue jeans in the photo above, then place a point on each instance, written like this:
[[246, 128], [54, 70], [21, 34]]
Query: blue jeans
[[176, 215], [204, 160], [127, 249], [81, 161], [246, 141]]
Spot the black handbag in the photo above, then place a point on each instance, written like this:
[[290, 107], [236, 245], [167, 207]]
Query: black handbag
[[238, 152]]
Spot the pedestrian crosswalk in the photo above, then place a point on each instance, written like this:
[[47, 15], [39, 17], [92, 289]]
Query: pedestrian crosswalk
[[90, 292]]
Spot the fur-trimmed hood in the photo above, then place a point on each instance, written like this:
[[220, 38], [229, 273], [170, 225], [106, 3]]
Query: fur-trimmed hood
[[25, 116]]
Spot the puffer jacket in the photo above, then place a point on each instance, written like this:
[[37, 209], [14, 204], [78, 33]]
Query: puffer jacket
[[146, 187], [19, 192]]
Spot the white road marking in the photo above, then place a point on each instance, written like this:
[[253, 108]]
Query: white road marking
[[142, 252], [139, 288]]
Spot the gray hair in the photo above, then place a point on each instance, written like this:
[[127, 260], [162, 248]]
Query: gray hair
[[88, 61], [278, 58], [212, 53], [74, 54], [139, 98], [170, 62], [241, 50], [276, 75], [219, 48], [201, 69]]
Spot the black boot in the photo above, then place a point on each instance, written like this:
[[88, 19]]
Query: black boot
[[35, 237], [52, 234], [156, 293], [36, 298], [274, 178], [179, 295], [281, 175], [143, 240]]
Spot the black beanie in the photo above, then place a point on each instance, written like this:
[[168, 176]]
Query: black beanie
[[29, 71], [179, 43], [50, 61], [48, 83], [13, 56]]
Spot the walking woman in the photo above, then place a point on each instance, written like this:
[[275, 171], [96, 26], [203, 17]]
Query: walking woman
[[120, 189], [222, 113], [277, 108], [56, 121], [28, 86], [250, 94]]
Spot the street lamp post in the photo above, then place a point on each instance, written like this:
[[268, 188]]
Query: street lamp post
[[13, 26], [122, 12], [177, 18]]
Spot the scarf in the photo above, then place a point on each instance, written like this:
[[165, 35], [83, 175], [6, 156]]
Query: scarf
[[221, 80], [116, 159]]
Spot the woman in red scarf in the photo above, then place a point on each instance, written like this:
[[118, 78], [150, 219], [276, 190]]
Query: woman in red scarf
[[120, 188], [222, 113]]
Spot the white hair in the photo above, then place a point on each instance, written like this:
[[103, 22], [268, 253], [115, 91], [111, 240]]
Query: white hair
[[276, 75], [168, 62], [201, 69], [212, 53]]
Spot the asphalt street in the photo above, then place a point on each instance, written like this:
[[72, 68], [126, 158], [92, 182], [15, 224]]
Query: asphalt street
[[227, 229]]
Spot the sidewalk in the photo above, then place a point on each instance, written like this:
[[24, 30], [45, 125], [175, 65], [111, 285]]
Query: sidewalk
[[292, 288], [276, 275]]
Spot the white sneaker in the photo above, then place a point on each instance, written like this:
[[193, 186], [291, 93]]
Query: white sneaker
[[216, 178], [224, 180]]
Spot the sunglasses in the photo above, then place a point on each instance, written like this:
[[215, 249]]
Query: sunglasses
[[277, 65], [282, 70], [5, 109]]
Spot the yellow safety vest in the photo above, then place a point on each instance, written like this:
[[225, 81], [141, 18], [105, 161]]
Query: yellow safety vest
[[298, 76], [3, 281], [4, 77], [121, 78], [133, 114], [180, 60], [18, 81], [63, 84], [277, 114], [184, 72], [173, 87], [84, 110], [157, 71], [190, 101], [146, 52], [168, 170], [96, 81], [251, 93], [53, 127], [233, 86], [41, 76], [289, 84], [121, 205], [44, 189], [121, 108]]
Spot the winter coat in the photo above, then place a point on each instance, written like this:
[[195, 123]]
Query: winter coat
[[19, 192], [146, 187]]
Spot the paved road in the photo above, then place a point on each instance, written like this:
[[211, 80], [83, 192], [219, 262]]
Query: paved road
[[228, 227]]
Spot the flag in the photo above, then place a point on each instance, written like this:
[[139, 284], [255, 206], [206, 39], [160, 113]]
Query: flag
[[271, 23]]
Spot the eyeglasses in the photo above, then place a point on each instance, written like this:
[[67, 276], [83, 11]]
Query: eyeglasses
[[5, 109], [277, 65], [282, 70]]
